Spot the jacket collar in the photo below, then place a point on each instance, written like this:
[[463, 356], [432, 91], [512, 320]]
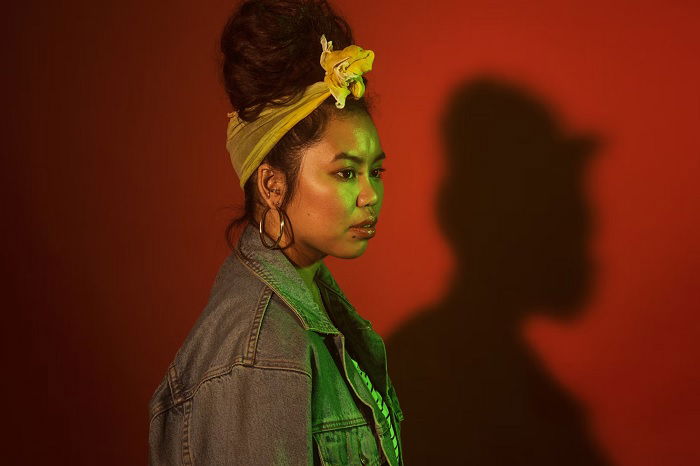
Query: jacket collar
[[272, 267]]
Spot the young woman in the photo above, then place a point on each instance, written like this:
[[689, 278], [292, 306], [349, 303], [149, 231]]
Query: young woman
[[279, 368]]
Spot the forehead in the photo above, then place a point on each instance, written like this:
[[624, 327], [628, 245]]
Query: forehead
[[354, 135]]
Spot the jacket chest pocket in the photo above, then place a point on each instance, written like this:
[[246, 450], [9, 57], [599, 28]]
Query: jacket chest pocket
[[355, 445]]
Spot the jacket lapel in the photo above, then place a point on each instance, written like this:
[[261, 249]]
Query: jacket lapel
[[272, 267], [366, 344]]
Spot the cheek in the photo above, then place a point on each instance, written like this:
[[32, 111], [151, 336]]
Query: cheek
[[325, 206]]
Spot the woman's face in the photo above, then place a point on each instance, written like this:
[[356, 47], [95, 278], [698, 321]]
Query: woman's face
[[339, 186]]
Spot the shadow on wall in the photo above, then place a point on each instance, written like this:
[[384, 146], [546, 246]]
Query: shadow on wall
[[513, 209]]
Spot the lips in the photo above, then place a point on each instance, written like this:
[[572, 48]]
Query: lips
[[364, 229], [370, 222]]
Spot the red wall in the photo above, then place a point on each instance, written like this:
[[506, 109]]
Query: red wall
[[119, 188]]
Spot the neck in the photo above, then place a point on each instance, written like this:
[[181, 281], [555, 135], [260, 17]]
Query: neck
[[304, 258], [306, 262], [308, 273]]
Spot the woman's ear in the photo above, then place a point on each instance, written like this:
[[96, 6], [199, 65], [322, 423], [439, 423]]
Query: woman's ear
[[272, 185]]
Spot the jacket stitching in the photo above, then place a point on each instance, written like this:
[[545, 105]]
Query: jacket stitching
[[174, 384], [340, 424], [262, 303], [186, 454], [214, 373], [257, 366], [277, 364]]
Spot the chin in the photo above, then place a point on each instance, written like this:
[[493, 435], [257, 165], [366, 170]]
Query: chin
[[350, 252]]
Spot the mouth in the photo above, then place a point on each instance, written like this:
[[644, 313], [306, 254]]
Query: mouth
[[369, 222], [365, 229]]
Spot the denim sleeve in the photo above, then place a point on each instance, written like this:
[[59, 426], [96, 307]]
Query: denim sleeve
[[248, 416]]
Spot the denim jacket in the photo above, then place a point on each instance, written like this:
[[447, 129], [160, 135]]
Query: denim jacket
[[263, 377]]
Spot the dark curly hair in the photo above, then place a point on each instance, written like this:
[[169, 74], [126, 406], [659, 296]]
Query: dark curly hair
[[271, 51]]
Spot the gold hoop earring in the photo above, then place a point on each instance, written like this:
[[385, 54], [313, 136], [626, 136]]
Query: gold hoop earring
[[275, 245]]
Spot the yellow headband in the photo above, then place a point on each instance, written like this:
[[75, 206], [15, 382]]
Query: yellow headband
[[249, 142]]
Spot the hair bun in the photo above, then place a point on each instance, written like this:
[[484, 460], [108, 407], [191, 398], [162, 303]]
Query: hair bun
[[271, 50]]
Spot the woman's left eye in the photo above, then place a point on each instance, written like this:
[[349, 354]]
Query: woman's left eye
[[350, 173]]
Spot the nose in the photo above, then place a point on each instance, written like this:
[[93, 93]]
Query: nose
[[368, 195]]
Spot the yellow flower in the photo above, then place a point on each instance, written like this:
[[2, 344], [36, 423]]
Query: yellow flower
[[344, 69]]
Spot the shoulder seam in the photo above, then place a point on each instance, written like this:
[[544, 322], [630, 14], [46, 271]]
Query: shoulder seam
[[212, 374]]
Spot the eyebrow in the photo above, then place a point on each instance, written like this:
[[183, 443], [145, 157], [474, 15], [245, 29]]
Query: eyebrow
[[356, 159]]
